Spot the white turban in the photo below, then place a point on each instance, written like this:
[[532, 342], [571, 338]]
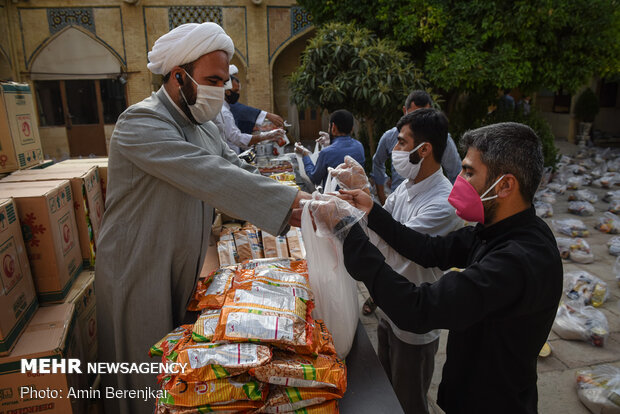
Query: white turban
[[232, 70], [187, 43]]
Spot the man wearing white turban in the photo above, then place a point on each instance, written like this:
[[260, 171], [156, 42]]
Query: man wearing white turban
[[168, 168]]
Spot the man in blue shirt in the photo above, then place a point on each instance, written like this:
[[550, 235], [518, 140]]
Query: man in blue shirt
[[450, 161], [341, 144]]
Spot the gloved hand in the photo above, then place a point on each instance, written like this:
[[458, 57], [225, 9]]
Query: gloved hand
[[301, 150], [273, 135], [323, 138], [332, 216], [351, 175]]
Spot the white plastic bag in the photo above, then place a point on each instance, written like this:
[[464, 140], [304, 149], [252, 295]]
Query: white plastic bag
[[585, 287], [574, 321], [335, 292], [599, 389]]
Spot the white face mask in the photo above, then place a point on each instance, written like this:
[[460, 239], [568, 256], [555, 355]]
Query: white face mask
[[402, 165], [209, 100]]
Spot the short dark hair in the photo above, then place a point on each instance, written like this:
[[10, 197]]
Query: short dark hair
[[188, 67], [428, 125], [419, 97], [509, 148], [343, 120]]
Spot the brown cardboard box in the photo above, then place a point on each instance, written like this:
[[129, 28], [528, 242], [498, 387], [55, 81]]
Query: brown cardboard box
[[82, 296], [88, 201], [50, 334], [20, 145], [47, 218], [101, 162], [18, 299]]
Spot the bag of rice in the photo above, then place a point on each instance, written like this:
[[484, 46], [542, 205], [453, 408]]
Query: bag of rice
[[215, 361], [291, 399], [269, 318], [220, 283], [293, 370], [222, 391], [205, 325], [275, 279]]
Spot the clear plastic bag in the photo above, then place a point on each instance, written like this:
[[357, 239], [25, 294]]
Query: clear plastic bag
[[557, 187], [586, 288], [570, 227], [580, 208], [577, 250], [614, 207], [543, 209], [545, 196], [614, 246], [574, 183], [616, 270], [583, 195], [611, 195], [575, 321], [599, 389], [609, 223], [335, 291]]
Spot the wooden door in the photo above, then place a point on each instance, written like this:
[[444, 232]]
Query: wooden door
[[84, 117], [309, 124]]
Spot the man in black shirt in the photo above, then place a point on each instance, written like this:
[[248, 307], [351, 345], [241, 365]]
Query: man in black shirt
[[500, 308]]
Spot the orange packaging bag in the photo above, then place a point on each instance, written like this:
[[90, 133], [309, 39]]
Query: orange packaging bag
[[170, 340], [293, 370], [292, 399], [322, 342], [206, 362], [215, 294], [237, 407], [278, 319], [205, 325], [222, 391]]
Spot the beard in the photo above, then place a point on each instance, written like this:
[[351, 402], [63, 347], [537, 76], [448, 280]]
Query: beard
[[190, 95], [490, 210]]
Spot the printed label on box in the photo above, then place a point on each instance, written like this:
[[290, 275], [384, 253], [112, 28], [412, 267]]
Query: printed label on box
[[4, 220], [60, 200], [66, 233], [10, 268], [26, 133]]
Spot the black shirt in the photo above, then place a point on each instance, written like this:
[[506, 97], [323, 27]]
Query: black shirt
[[499, 310]]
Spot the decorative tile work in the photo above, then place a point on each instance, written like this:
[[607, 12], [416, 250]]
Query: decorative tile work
[[59, 18], [178, 15], [300, 19]]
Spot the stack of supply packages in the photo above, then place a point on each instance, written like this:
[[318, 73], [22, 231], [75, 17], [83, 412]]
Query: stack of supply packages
[[254, 348], [237, 245]]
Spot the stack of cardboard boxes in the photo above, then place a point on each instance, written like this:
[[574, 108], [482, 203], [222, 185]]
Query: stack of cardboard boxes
[[49, 222]]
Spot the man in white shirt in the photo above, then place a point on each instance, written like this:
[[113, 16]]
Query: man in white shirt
[[225, 123], [420, 203]]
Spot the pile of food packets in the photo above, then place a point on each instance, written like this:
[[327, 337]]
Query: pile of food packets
[[254, 348]]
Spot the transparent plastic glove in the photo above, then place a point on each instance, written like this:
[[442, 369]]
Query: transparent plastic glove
[[332, 216], [351, 175], [273, 135], [301, 150], [323, 139]]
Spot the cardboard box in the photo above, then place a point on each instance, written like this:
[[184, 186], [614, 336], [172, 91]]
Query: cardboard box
[[88, 201], [20, 144], [50, 334], [18, 299], [82, 296], [45, 210], [101, 162]]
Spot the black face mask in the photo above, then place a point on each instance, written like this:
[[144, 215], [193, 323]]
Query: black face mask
[[232, 98]]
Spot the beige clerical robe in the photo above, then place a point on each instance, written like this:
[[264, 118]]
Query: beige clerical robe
[[165, 176]]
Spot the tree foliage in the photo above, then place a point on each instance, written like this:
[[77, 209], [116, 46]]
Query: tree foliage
[[344, 67], [483, 45]]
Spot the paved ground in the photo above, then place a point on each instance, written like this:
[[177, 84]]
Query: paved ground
[[556, 373]]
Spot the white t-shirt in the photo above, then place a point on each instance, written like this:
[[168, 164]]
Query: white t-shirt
[[422, 207]]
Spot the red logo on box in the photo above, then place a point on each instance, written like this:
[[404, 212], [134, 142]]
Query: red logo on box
[[8, 265]]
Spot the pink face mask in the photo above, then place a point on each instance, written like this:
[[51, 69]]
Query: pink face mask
[[465, 199]]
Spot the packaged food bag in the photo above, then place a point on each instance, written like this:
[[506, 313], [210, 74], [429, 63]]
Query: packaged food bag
[[574, 321], [583, 195], [608, 223], [268, 318], [206, 362], [545, 196], [238, 407], [585, 287], [293, 370], [616, 270], [274, 246], [291, 399], [296, 247], [611, 195], [218, 283], [205, 325], [169, 340], [557, 188], [335, 291], [570, 227], [178, 392], [543, 210], [322, 341], [599, 389], [614, 246], [580, 208], [575, 249], [227, 253], [275, 279], [248, 244]]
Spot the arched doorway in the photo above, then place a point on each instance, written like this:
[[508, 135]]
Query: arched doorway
[[79, 86], [307, 123]]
